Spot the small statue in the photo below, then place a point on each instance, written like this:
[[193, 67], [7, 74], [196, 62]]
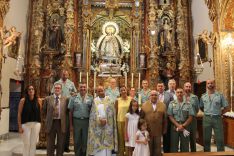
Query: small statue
[[166, 36], [56, 36], [124, 67], [126, 46], [110, 45], [12, 38], [168, 72], [205, 36], [93, 47]]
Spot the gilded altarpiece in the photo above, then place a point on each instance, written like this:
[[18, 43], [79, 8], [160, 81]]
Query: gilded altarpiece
[[94, 40], [106, 39], [221, 13]]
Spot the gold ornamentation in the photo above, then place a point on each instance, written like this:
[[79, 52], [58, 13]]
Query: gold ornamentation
[[4, 7], [212, 9]]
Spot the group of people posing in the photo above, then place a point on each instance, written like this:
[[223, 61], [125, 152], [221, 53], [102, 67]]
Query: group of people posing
[[118, 123]]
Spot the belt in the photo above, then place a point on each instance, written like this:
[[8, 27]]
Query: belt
[[81, 118], [211, 115], [180, 122]]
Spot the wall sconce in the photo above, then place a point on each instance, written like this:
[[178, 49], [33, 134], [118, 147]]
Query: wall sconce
[[227, 43]]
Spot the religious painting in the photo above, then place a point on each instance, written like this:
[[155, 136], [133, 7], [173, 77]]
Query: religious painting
[[78, 60], [142, 61], [203, 50]]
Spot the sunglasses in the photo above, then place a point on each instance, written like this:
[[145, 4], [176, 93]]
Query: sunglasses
[[30, 88]]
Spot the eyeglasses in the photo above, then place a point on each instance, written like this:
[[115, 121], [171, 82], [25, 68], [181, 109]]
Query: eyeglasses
[[30, 88]]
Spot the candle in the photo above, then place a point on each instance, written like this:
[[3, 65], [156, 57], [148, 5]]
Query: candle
[[125, 76], [139, 81], [231, 75], [80, 76], [87, 81], [94, 84], [139, 99], [132, 80]]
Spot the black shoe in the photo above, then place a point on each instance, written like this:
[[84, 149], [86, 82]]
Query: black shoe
[[67, 150]]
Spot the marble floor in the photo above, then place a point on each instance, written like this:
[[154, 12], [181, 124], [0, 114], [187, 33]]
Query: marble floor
[[12, 146]]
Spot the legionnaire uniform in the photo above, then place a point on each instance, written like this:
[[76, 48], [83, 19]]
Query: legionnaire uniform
[[194, 102], [144, 95], [81, 110], [212, 106], [180, 112], [113, 94]]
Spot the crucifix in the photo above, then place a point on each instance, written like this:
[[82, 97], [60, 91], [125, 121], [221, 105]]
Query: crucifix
[[210, 61]]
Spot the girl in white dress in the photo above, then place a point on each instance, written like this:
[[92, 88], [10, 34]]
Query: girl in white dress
[[142, 139], [131, 121]]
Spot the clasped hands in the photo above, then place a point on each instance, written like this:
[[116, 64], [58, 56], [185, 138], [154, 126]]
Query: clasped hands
[[182, 129], [102, 121]]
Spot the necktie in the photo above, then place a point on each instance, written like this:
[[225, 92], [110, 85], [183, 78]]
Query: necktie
[[56, 109]]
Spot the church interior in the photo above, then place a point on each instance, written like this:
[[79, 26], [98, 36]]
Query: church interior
[[129, 40]]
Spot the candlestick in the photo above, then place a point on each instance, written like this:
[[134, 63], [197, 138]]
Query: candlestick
[[132, 80], [139, 81], [94, 84], [231, 78], [80, 77], [87, 81]]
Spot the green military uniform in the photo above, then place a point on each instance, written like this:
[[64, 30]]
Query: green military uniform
[[67, 88], [194, 102], [144, 95], [212, 106], [180, 112], [81, 111], [113, 94]]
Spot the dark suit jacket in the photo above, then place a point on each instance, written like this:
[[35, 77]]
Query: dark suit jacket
[[156, 120], [48, 109], [168, 97]]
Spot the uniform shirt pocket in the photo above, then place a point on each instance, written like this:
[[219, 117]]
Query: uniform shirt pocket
[[175, 111], [185, 113]]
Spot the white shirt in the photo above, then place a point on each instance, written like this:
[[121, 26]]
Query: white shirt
[[154, 106], [161, 97]]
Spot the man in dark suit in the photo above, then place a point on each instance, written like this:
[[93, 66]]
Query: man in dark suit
[[54, 108], [166, 98]]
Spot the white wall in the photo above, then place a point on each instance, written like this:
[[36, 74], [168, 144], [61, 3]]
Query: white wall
[[201, 21], [16, 16]]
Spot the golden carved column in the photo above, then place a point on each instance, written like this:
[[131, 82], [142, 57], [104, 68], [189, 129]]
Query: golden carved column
[[136, 40], [183, 42], [69, 35], [153, 56], [36, 31], [86, 13]]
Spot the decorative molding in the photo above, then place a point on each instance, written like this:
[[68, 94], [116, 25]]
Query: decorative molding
[[4, 7], [212, 9]]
